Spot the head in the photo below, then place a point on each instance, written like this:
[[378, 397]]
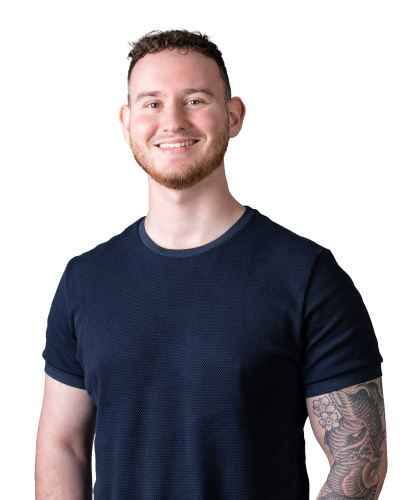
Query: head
[[179, 93]]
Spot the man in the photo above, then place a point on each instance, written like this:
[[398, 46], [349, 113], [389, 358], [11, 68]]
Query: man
[[196, 342]]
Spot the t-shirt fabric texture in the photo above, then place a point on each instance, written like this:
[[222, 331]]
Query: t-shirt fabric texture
[[199, 361]]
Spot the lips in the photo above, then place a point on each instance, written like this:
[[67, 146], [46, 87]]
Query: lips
[[176, 140], [176, 150], [169, 145]]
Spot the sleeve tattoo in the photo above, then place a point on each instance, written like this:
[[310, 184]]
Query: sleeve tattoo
[[353, 420]]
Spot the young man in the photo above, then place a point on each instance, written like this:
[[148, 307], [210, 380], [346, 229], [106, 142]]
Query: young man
[[196, 342]]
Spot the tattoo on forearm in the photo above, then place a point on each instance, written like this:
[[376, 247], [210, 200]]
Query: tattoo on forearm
[[353, 421]]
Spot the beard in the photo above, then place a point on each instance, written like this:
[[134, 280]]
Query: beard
[[198, 170]]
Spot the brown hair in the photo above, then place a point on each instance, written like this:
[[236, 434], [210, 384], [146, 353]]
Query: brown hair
[[184, 41]]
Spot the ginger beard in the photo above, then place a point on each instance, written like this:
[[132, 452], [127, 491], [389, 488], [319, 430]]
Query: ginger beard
[[198, 170]]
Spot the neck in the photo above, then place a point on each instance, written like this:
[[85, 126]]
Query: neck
[[188, 218]]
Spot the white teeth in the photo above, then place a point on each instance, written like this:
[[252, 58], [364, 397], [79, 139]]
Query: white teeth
[[176, 144]]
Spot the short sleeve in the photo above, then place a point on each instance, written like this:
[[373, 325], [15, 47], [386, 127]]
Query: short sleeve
[[60, 351], [340, 346]]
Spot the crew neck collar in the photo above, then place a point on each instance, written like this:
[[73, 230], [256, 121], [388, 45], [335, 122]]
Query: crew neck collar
[[248, 213]]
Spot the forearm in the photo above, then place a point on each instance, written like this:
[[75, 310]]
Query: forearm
[[61, 473]]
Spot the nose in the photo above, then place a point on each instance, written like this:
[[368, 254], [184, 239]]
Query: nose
[[174, 118]]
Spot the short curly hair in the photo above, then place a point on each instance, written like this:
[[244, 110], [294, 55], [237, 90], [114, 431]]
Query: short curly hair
[[184, 41]]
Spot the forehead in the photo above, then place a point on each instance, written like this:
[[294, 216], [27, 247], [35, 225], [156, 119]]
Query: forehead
[[168, 71]]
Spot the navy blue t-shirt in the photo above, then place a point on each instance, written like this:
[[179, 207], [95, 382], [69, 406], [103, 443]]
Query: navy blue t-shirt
[[199, 361]]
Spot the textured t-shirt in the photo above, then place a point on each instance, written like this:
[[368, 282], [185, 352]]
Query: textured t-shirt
[[199, 361]]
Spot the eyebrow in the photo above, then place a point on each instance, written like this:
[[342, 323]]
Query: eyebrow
[[155, 93]]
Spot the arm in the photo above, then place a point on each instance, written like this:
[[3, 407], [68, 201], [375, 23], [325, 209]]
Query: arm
[[64, 443], [349, 425]]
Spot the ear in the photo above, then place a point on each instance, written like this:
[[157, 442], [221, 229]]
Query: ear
[[123, 117], [236, 111]]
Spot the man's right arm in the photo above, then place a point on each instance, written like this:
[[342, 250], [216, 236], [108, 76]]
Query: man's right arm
[[64, 443]]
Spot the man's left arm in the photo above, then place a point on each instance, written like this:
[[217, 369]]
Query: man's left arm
[[349, 425]]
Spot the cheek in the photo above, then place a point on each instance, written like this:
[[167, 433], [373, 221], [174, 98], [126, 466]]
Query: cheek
[[212, 122], [143, 128]]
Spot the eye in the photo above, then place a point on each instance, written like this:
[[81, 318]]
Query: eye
[[355, 437], [152, 105], [156, 103]]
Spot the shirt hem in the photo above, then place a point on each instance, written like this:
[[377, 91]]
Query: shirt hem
[[346, 380], [64, 377]]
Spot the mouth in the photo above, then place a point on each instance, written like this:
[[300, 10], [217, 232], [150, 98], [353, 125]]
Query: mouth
[[174, 148]]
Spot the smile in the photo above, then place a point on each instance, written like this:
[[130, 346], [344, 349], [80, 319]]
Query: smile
[[176, 144], [176, 148]]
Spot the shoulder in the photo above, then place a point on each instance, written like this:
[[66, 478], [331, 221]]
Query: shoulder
[[286, 248], [104, 258], [286, 239]]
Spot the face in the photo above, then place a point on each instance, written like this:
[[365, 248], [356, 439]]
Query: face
[[178, 124]]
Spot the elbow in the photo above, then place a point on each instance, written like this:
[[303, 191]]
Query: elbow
[[369, 476]]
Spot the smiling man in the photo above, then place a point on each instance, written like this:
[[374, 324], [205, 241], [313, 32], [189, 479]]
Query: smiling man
[[178, 124], [195, 344]]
